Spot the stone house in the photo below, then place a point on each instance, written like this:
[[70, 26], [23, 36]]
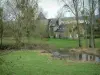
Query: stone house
[[61, 28], [56, 28], [59, 32]]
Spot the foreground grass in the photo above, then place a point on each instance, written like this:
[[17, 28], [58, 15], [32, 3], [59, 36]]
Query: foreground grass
[[58, 43], [33, 63]]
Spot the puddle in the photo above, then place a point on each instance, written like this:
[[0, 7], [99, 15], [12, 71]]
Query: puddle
[[77, 56], [85, 57]]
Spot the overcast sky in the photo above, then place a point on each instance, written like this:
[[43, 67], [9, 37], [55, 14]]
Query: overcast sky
[[51, 7]]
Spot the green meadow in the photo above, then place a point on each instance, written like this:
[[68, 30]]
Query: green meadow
[[33, 62]]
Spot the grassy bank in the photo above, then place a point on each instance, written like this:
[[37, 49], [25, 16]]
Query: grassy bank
[[34, 63]]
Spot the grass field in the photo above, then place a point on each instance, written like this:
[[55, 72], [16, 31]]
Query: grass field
[[58, 43], [35, 63]]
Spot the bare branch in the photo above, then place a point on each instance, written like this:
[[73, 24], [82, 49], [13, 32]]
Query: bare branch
[[66, 5]]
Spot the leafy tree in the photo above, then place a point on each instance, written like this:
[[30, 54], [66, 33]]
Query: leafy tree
[[28, 10], [24, 23]]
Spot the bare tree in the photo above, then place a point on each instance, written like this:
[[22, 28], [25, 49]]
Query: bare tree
[[92, 7], [85, 14], [99, 7], [74, 7]]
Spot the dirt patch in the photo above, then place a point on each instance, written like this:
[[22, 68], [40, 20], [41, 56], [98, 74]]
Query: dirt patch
[[43, 52]]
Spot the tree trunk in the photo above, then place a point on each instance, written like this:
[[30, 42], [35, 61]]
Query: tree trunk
[[77, 20], [92, 22], [85, 26], [79, 37], [86, 39], [91, 42], [48, 30], [99, 7], [1, 26], [1, 35]]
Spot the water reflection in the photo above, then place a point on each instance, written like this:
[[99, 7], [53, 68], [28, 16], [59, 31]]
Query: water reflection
[[77, 56]]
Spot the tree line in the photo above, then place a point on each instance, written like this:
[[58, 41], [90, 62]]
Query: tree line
[[26, 13], [78, 8], [23, 24]]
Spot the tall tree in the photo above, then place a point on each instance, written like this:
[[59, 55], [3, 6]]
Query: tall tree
[[99, 7], [92, 7], [25, 18], [28, 10], [85, 14], [1, 26], [48, 28], [74, 7], [76, 3], [16, 24]]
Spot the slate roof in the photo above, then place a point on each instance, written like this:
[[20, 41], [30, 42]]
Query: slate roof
[[57, 27], [41, 16]]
